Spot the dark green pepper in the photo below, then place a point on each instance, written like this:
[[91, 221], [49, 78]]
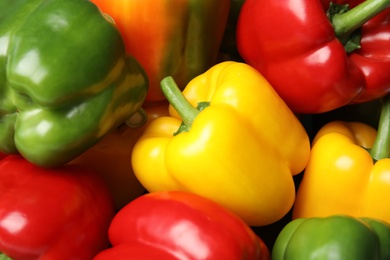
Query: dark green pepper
[[65, 79], [334, 237]]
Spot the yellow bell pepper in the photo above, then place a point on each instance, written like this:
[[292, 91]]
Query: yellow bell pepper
[[241, 150], [348, 171]]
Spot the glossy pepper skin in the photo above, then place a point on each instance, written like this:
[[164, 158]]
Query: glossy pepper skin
[[65, 79], [46, 214], [236, 152], [180, 225], [333, 237], [311, 70], [178, 38], [341, 177]]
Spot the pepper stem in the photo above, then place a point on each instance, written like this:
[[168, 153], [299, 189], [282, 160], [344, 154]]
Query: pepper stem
[[381, 147], [176, 98], [346, 23]]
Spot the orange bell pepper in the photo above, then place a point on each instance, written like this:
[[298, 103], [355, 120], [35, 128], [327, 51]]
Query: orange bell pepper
[[179, 38]]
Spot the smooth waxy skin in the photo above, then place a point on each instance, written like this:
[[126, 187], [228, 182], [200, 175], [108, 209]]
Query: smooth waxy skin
[[310, 69], [178, 38], [334, 237], [61, 213], [65, 79], [180, 225], [236, 153], [341, 177]]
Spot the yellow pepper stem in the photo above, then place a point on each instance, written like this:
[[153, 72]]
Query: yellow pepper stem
[[381, 147], [176, 98]]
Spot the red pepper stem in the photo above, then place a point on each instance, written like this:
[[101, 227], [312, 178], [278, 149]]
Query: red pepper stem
[[176, 98], [346, 23], [381, 147]]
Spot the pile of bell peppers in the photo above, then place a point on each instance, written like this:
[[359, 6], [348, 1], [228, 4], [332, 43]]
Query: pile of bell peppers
[[194, 129]]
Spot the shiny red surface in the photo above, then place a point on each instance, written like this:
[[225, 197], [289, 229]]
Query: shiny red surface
[[293, 44], [49, 214], [179, 225]]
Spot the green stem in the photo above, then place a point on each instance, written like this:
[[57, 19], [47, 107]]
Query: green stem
[[176, 98], [381, 147], [346, 23]]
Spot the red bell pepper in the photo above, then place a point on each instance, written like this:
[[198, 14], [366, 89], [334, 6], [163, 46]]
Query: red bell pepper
[[47, 214], [180, 225], [3, 155], [316, 63]]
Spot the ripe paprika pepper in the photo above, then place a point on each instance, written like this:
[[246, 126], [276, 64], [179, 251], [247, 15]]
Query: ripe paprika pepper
[[180, 225], [65, 79], [348, 171], [178, 38], [234, 151], [307, 57], [61, 213]]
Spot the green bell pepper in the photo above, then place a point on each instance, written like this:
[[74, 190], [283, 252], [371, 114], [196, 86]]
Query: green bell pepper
[[334, 237], [65, 79]]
